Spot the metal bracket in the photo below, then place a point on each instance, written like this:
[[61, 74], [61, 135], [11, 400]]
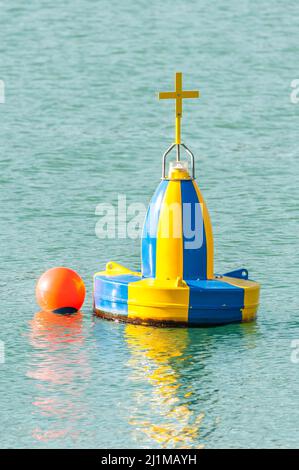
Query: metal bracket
[[188, 151], [241, 273]]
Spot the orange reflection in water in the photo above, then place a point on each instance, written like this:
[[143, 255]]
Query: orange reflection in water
[[159, 355], [60, 368], [53, 328]]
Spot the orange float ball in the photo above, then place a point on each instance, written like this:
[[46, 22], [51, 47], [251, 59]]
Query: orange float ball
[[60, 290]]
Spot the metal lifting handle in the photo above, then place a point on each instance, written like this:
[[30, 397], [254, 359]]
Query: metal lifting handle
[[164, 160], [188, 151], [192, 159]]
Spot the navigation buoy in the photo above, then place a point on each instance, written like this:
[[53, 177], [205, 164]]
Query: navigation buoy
[[60, 290], [177, 284]]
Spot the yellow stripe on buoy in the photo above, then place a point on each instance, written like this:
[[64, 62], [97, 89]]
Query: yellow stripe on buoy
[[169, 247], [158, 300], [166, 297]]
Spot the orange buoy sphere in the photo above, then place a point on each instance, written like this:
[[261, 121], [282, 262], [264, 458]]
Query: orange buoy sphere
[[60, 290]]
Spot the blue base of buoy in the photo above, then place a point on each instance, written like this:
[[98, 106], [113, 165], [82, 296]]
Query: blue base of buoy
[[127, 296]]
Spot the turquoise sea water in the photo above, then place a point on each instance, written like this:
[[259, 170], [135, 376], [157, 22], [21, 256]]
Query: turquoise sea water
[[81, 124]]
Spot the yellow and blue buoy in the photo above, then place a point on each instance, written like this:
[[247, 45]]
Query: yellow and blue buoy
[[176, 284]]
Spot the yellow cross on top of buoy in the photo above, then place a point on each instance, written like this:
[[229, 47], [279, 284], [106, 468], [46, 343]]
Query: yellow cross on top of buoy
[[179, 94]]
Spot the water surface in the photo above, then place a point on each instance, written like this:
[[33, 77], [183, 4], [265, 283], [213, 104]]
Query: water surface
[[80, 124]]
